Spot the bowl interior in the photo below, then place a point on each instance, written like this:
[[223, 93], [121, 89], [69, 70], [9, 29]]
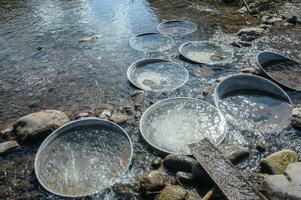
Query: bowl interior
[[83, 158]]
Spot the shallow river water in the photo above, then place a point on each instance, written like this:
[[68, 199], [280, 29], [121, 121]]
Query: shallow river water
[[43, 64]]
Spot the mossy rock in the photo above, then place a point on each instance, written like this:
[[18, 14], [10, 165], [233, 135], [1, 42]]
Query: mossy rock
[[276, 163], [173, 192]]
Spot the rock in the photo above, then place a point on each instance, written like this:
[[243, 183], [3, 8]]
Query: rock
[[106, 114], [198, 171], [119, 117], [277, 162], [6, 131], [155, 180], [293, 20], [5, 146], [38, 125], [184, 177], [250, 70], [245, 44], [193, 195], [234, 152], [247, 38], [275, 186], [265, 26], [296, 118], [156, 163], [261, 145], [89, 38], [284, 186], [176, 162], [243, 10], [252, 31], [82, 115], [293, 172], [173, 192], [41, 47], [270, 19], [138, 96]]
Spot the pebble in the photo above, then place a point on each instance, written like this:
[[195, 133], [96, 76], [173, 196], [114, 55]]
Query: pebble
[[261, 145], [296, 117], [250, 70], [89, 38], [154, 180], [5, 146], [156, 162], [173, 192], [106, 114], [252, 31], [176, 162], [234, 152], [119, 117], [277, 162]]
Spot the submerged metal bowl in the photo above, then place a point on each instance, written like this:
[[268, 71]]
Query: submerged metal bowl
[[151, 42], [206, 52], [83, 157], [157, 74], [285, 71], [258, 94], [172, 124], [177, 27]]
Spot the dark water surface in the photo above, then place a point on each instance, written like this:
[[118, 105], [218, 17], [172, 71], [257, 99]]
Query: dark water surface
[[69, 75]]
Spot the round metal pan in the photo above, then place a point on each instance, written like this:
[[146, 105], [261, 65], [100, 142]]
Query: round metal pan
[[157, 74], [283, 70], [253, 103], [151, 42], [172, 124], [206, 52], [83, 157], [175, 28]]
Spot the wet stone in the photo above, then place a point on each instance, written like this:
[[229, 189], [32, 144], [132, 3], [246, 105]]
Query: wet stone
[[261, 145], [106, 114], [155, 180], [5, 146], [82, 115], [184, 177], [250, 70], [119, 118], [252, 31], [38, 125], [176, 162], [296, 118], [277, 162], [156, 163], [284, 186], [234, 152], [173, 192], [198, 171], [193, 195]]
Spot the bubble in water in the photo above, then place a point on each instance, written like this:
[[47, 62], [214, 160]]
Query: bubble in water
[[172, 124], [257, 111]]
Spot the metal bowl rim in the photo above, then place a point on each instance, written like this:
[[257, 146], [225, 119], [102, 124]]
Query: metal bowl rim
[[177, 20], [268, 75], [132, 66], [208, 42], [152, 33], [56, 132], [223, 119]]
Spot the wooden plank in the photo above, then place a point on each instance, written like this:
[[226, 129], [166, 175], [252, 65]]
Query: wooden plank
[[223, 173]]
